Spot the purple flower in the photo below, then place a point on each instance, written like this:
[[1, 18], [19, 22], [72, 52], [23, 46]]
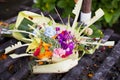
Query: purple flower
[[66, 41], [71, 45], [65, 35], [64, 45], [57, 29]]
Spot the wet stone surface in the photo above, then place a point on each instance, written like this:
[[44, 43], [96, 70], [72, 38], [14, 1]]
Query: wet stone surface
[[108, 63]]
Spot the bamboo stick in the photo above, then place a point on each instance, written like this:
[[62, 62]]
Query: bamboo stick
[[85, 15], [86, 6]]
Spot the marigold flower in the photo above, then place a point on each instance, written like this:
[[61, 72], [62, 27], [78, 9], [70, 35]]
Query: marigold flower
[[47, 54]]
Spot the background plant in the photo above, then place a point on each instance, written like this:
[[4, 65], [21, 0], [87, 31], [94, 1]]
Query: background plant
[[64, 6], [111, 9]]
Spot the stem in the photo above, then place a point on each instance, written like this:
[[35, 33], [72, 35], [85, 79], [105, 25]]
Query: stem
[[108, 43], [23, 32]]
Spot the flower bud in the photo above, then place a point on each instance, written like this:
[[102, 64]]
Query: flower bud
[[88, 31]]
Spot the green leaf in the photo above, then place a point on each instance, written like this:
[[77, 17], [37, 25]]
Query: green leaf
[[42, 50], [96, 32], [11, 26], [61, 4], [49, 1], [108, 17], [114, 4], [82, 47], [24, 24], [116, 16]]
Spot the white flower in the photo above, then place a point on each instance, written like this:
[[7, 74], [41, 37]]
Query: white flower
[[50, 31]]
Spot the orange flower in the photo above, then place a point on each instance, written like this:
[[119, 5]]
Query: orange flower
[[46, 46], [46, 54], [40, 49]]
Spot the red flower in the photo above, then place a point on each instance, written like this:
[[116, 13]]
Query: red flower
[[37, 51]]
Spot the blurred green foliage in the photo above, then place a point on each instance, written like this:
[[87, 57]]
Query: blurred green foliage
[[63, 6], [110, 7]]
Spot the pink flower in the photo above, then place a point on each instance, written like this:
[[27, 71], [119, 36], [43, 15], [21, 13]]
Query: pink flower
[[58, 52]]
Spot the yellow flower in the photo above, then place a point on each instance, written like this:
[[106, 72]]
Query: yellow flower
[[35, 43], [46, 44]]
